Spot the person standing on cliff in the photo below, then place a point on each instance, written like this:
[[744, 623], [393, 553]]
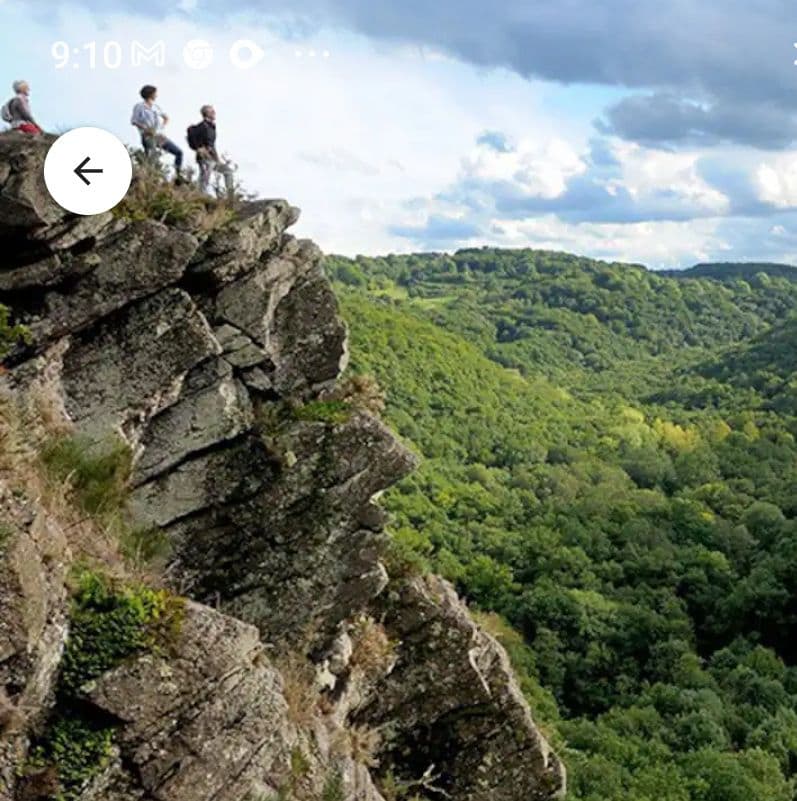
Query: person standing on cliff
[[17, 112], [150, 120], [202, 140]]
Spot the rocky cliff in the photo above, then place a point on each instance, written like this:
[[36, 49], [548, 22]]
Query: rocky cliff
[[269, 654]]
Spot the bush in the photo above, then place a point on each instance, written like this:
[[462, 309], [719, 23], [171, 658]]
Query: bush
[[108, 624], [78, 750]]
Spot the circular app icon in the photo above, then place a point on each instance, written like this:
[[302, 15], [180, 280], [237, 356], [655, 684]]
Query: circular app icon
[[198, 54], [87, 171], [245, 54]]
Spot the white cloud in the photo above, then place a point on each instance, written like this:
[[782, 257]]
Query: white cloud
[[353, 136], [648, 173], [537, 168], [776, 181], [340, 159]]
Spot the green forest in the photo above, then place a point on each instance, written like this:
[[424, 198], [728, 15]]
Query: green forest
[[610, 477]]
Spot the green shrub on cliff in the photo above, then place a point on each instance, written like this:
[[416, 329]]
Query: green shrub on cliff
[[109, 622], [10, 334], [326, 411]]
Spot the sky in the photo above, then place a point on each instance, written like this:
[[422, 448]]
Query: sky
[[662, 133]]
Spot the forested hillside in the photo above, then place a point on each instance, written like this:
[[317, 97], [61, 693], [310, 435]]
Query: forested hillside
[[610, 466]]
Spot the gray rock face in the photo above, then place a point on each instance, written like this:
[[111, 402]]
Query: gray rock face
[[207, 720], [277, 535], [471, 723], [32, 225], [136, 262], [25, 204], [210, 355], [127, 368], [202, 417], [230, 251]]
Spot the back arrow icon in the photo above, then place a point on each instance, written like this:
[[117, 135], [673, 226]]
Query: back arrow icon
[[81, 170]]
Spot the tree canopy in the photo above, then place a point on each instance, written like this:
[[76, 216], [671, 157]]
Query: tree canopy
[[610, 466]]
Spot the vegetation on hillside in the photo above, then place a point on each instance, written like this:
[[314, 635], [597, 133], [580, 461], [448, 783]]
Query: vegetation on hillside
[[611, 466]]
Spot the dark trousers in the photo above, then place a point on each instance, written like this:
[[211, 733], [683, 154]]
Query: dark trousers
[[152, 143]]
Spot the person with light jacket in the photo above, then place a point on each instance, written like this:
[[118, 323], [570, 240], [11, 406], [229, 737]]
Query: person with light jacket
[[150, 119]]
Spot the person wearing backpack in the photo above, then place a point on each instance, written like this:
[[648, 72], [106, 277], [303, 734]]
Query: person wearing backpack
[[17, 112], [202, 140], [150, 119]]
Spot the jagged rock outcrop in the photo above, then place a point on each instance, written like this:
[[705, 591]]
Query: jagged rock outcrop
[[469, 722], [209, 720], [211, 356]]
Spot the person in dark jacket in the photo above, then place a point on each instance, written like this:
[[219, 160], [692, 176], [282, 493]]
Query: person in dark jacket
[[202, 138]]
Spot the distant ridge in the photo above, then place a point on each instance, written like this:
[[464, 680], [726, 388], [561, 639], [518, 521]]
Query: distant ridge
[[728, 271]]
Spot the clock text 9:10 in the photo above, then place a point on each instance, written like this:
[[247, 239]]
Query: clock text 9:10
[[108, 54]]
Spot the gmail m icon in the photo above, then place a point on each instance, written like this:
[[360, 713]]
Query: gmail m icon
[[141, 54]]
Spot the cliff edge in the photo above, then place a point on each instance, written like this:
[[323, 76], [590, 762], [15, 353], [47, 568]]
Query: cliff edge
[[271, 654]]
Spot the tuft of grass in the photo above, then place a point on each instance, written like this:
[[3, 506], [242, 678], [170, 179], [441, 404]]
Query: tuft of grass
[[300, 764], [152, 197], [94, 479], [333, 788], [360, 743], [97, 474], [299, 688], [145, 546], [372, 650], [360, 391]]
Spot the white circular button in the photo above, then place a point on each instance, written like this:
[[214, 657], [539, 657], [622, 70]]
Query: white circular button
[[87, 171]]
